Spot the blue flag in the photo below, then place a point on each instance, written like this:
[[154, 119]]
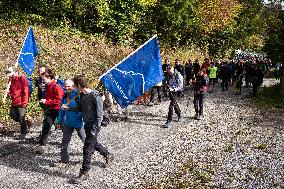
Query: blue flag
[[136, 74], [28, 53]]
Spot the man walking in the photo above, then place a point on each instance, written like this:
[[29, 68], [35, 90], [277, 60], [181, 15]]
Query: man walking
[[53, 96], [69, 120], [91, 106], [19, 94], [175, 85]]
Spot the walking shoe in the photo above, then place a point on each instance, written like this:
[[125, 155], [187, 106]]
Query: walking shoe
[[126, 119], [150, 104], [109, 159], [168, 124], [59, 163], [83, 175], [21, 137], [196, 115], [180, 119], [39, 149]]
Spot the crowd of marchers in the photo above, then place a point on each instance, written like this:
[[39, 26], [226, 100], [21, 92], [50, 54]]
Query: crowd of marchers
[[79, 107]]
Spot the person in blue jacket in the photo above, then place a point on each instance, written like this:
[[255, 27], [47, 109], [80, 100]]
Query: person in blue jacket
[[69, 120]]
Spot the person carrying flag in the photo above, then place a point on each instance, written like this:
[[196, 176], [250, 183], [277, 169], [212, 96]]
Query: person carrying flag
[[19, 94]]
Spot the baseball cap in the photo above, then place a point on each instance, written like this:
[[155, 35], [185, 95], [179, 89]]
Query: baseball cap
[[10, 71]]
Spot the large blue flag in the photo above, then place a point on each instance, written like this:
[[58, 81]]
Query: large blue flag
[[28, 53], [135, 74]]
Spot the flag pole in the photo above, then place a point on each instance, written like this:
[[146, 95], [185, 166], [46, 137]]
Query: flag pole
[[16, 65], [127, 56]]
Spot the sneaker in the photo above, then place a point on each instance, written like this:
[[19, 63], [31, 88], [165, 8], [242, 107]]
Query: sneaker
[[59, 163], [180, 119], [196, 116], [125, 119], [168, 124], [150, 104], [39, 149], [83, 175], [21, 137], [109, 160]]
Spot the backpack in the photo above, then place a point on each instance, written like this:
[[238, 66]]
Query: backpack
[[61, 83], [30, 80], [106, 116]]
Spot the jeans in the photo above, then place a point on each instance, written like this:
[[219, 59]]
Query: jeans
[[18, 115], [173, 106], [50, 116], [198, 103], [67, 134], [91, 144]]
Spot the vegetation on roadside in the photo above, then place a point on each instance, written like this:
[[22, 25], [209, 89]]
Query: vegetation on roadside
[[269, 97], [190, 175], [91, 36]]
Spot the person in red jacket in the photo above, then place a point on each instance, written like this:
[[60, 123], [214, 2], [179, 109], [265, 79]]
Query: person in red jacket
[[52, 100], [19, 94]]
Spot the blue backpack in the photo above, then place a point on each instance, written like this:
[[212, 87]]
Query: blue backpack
[[61, 83], [30, 80]]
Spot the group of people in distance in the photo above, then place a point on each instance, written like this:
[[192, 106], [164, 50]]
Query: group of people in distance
[[80, 108]]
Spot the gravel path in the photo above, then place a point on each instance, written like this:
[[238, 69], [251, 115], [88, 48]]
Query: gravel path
[[233, 146]]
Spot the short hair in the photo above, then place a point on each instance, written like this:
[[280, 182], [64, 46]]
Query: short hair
[[49, 73], [69, 81], [81, 81]]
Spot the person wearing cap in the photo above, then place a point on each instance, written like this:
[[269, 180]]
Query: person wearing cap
[[175, 85], [19, 94]]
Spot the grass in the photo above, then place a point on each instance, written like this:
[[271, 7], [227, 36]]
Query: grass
[[270, 97]]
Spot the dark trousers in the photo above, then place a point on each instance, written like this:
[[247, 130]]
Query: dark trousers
[[91, 144], [18, 115], [67, 134], [49, 119], [198, 103], [158, 89], [173, 106], [224, 84]]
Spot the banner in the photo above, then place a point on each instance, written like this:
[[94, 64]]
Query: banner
[[135, 74], [28, 53]]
